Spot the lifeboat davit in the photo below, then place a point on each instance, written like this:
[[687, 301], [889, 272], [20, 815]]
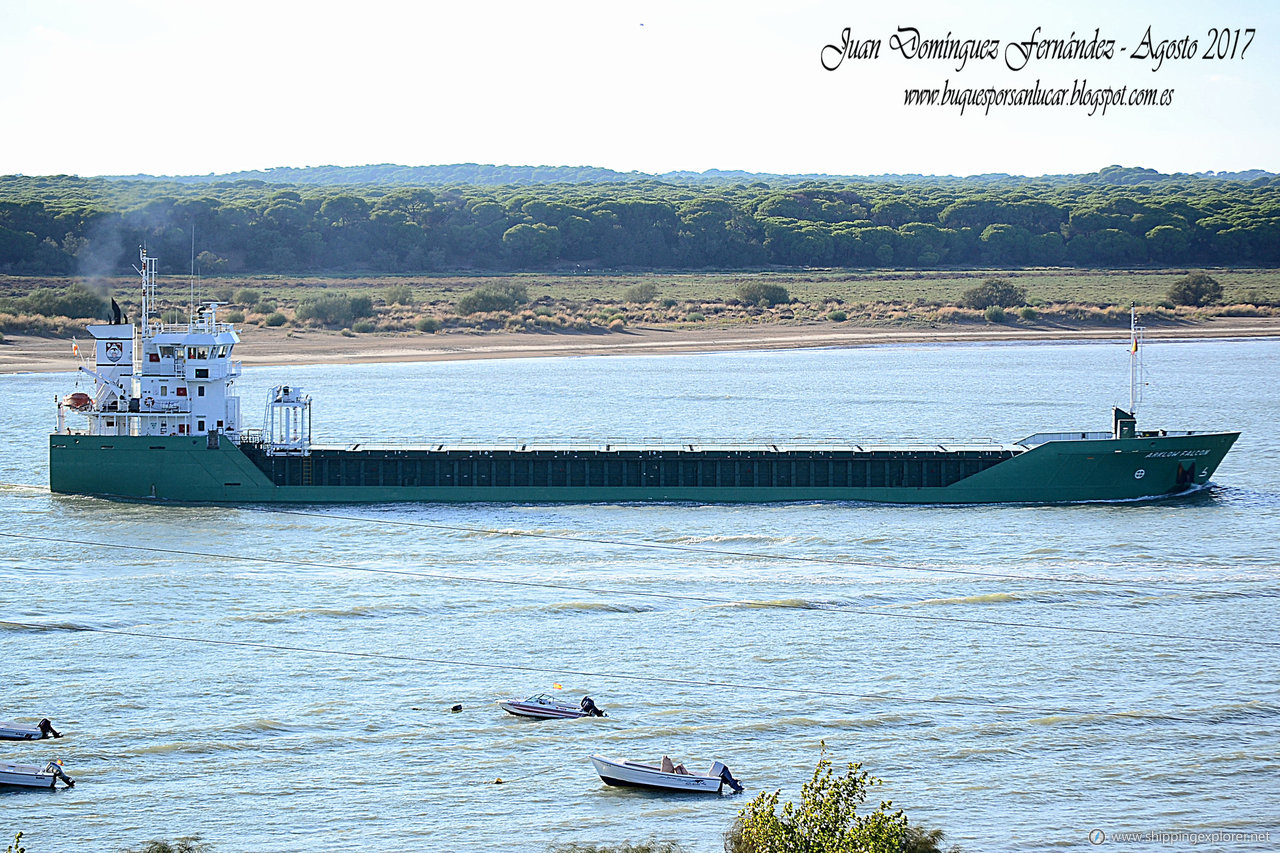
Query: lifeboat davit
[[77, 401]]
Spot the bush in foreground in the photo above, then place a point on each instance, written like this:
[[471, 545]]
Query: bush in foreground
[[826, 820]]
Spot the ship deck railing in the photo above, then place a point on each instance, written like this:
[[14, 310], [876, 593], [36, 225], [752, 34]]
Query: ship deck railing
[[1046, 437], [632, 445]]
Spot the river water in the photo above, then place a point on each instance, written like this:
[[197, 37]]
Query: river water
[[1018, 676]]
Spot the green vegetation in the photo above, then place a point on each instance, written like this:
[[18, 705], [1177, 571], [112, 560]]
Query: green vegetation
[[73, 300], [994, 292], [333, 310], [1028, 314], [826, 819], [1196, 289], [427, 324], [762, 294], [493, 297], [579, 302], [244, 296], [295, 223], [993, 314], [399, 294], [16, 846], [641, 292]]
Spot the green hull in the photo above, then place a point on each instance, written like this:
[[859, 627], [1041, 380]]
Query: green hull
[[186, 469]]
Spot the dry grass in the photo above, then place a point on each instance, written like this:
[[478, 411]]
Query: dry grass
[[597, 303]]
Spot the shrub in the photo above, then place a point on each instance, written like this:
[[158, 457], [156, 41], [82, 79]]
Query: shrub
[[824, 821], [399, 294], [334, 309], [347, 333], [764, 295], [667, 302], [173, 316], [994, 291], [993, 314], [695, 317], [361, 306], [645, 291], [1253, 296], [492, 297], [235, 317], [1028, 313], [427, 324], [224, 295], [364, 327], [617, 324], [247, 296], [276, 319], [74, 300], [266, 306], [837, 316], [1197, 289]]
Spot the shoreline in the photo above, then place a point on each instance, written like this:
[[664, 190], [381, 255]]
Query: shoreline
[[20, 353]]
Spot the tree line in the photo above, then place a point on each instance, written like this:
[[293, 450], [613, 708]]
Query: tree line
[[1123, 218]]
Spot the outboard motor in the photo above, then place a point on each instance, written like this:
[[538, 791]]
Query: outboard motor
[[55, 768], [589, 708], [726, 778], [47, 729]]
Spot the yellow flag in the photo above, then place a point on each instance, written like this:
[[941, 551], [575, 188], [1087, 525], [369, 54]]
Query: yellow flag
[[557, 687]]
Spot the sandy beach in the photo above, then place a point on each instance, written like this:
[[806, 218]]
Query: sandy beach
[[21, 353]]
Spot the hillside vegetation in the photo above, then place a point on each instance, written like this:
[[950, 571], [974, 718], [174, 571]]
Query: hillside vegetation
[[1116, 218]]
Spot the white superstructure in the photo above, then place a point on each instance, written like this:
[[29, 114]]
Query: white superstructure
[[160, 378]]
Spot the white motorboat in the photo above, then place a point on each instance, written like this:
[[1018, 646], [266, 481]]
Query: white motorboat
[[31, 776], [637, 775], [23, 731], [544, 706]]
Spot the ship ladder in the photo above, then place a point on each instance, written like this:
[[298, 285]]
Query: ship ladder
[[306, 470]]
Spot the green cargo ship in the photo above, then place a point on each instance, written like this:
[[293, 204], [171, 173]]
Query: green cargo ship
[[164, 424]]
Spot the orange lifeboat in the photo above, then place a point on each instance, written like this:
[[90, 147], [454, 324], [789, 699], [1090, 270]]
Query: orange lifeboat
[[78, 401]]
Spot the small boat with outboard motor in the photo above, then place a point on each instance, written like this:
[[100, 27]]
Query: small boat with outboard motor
[[544, 706], [665, 776], [34, 776], [23, 731]]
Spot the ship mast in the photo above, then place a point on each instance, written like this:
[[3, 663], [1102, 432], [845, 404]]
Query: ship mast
[[148, 273], [1135, 363]]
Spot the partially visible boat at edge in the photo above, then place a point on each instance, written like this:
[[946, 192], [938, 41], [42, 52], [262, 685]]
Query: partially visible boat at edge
[[635, 774], [163, 423], [23, 731], [33, 776]]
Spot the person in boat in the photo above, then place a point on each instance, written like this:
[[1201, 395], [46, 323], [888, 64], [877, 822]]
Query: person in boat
[[47, 729], [589, 708], [668, 766]]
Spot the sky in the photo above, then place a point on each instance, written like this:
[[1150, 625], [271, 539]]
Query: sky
[[166, 87]]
